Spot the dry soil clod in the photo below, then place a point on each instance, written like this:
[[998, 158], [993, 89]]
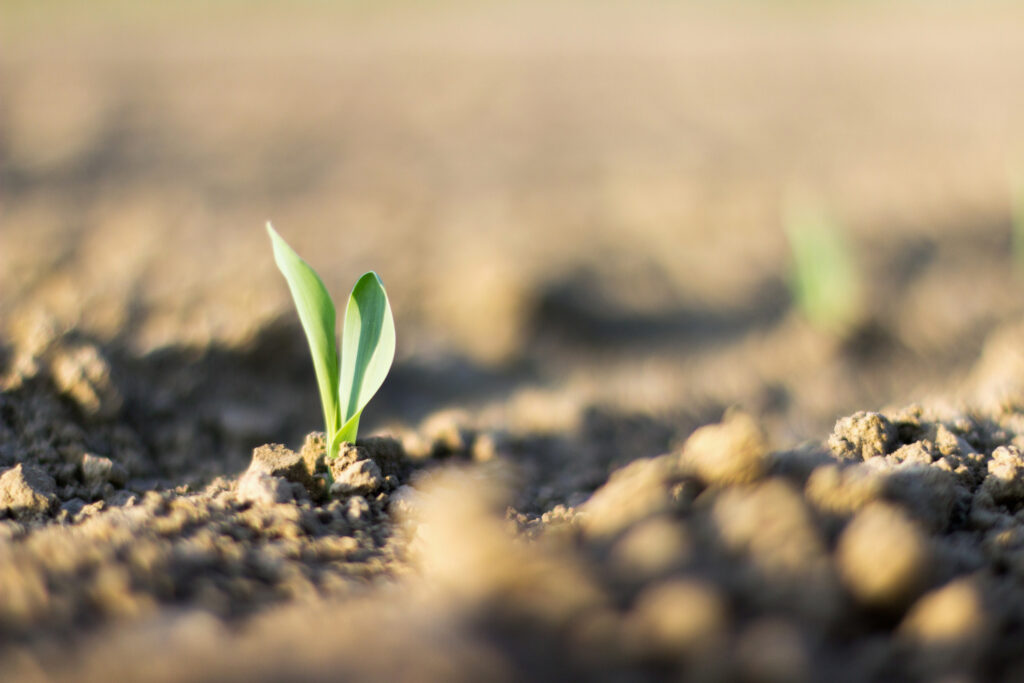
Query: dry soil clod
[[731, 452], [883, 557], [862, 435], [27, 492]]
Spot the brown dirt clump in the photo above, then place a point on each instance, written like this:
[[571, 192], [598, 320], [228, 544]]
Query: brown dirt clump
[[883, 558]]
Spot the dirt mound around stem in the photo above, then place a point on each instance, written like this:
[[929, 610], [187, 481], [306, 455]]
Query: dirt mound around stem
[[894, 553], [220, 549]]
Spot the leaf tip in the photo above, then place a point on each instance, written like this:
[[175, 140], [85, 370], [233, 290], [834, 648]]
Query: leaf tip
[[274, 235], [373, 274]]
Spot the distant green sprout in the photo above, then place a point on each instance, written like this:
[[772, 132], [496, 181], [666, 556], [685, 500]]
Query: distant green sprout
[[1017, 220], [824, 280], [367, 341]]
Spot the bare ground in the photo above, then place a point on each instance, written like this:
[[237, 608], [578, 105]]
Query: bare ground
[[577, 214]]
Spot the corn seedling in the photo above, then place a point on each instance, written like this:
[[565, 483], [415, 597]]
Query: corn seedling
[[1017, 221], [367, 341], [824, 280]]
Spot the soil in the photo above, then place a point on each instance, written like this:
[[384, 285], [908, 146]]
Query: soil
[[611, 447]]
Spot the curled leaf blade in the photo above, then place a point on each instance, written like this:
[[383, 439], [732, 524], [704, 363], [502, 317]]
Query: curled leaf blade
[[367, 350], [317, 315]]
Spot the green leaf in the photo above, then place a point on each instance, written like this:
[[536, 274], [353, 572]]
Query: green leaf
[[367, 350], [1017, 219], [316, 312], [825, 280]]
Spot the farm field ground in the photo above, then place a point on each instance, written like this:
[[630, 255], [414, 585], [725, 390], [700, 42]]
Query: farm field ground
[[612, 447]]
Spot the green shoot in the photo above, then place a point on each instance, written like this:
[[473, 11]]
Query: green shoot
[[368, 341], [824, 279], [1017, 220]]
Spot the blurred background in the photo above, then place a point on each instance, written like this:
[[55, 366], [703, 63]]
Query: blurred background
[[575, 206]]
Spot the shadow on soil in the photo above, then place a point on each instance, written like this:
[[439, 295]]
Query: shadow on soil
[[572, 312], [226, 401]]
